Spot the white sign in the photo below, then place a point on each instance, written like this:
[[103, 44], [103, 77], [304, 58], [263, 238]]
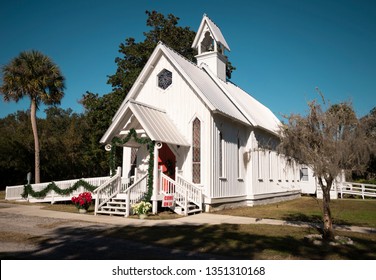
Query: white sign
[[168, 201]]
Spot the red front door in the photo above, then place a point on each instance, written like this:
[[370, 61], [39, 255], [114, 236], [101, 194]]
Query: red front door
[[166, 161]]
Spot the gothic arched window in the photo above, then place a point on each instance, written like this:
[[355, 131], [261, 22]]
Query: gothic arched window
[[196, 151]]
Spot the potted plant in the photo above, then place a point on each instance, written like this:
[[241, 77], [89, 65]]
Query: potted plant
[[82, 201], [142, 209]]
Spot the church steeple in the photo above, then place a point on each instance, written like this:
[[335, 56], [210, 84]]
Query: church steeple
[[211, 46]]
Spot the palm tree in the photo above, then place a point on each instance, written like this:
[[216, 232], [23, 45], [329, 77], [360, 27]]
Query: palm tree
[[35, 75]]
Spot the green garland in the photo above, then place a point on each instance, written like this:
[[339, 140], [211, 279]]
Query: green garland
[[142, 141], [28, 190]]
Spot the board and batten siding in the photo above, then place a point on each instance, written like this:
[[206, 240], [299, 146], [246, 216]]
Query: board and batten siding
[[182, 104], [273, 173], [230, 179]]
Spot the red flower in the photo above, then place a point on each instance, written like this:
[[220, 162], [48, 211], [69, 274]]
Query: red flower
[[83, 200]]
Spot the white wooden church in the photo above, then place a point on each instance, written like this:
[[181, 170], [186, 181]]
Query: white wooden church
[[215, 145]]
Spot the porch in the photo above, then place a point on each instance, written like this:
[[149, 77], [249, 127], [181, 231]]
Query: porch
[[118, 194]]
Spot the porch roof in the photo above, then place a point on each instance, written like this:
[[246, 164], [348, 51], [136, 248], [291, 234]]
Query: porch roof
[[156, 123]]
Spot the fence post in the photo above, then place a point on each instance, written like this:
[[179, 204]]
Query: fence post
[[363, 190], [96, 202], [118, 173], [200, 198], [186, 202], [341, 188], [52, 197], [161, 181], [128, 203]]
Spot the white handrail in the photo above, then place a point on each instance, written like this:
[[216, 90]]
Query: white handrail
[[194, 192], [107, 190], [166, 184], [105, 184], [136, 192], [183, 190]]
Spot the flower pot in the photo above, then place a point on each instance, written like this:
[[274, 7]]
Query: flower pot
[[143, 216], [82, 211]]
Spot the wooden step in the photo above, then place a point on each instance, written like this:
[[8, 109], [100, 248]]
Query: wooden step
[[116, 203], [192, 209], [115, 208], [111, 213]]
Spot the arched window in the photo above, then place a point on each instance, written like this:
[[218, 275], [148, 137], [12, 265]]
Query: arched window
[[239, 160], [196, 151], [221, 147]]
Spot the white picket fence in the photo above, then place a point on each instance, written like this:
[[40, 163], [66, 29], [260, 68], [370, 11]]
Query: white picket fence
[[14, 192], [363, 190]]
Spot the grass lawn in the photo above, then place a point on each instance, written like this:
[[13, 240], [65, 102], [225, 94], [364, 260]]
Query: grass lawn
[[309, 209], [250, 241], [67, 206], [266, 241]]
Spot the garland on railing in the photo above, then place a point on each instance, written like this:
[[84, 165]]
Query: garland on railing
[[142, 141], [28, 190]]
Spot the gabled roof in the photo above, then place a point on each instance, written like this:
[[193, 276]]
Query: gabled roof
[[207, 89], [214, 30], [156, 123], [220, 97], [198, 79], [227, 98], [255, 112], [261, 115]]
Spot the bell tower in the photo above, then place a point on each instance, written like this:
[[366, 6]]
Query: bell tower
[[211, 46]]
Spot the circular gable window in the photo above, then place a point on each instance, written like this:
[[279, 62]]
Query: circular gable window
[[164, 79]]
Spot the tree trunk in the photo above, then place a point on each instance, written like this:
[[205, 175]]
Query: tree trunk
[[33, 117], [328, 232]]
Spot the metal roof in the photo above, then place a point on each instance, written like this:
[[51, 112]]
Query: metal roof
[[225, 97], [220, 97], [157, 125], [260, 115], [208, 88]]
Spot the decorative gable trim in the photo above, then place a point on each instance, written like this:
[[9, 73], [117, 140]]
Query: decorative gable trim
[[214, 30], [160, 50]]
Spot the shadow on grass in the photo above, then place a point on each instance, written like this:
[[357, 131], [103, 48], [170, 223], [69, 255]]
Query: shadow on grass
[[300, 217], [190, 242], [314, 220]]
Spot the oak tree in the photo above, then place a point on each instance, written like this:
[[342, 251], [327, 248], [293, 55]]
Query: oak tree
[[328, 139]]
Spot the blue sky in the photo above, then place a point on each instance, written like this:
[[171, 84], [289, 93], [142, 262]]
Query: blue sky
[[282, 50]]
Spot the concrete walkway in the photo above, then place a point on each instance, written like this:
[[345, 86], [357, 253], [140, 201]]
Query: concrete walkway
[[198, 219]]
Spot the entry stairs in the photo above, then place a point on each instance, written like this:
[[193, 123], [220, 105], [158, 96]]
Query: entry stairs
[[117, 195]]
